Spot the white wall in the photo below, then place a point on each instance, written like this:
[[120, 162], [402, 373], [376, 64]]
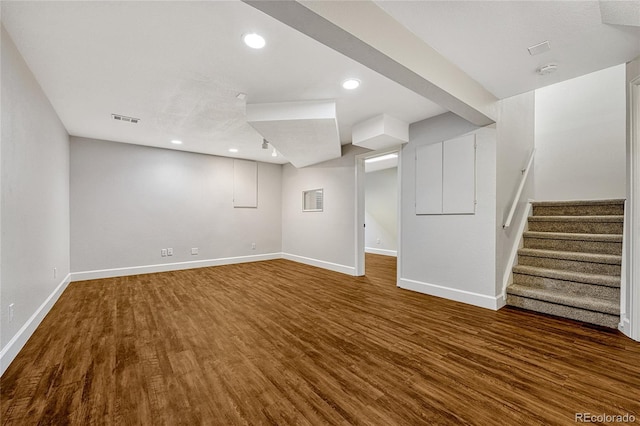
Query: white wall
[[450, 256], [35, 203], [128, 202], [515, 142], [381, 211], [325, 239], [580, 137]]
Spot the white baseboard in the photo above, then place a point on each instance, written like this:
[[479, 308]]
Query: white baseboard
[[625, 326], [476, 299], [349, 270], [165, 267], [11, 349], [383, 252]]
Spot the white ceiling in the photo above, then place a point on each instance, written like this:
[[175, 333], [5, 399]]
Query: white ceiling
[[178, 66], [489, 39]]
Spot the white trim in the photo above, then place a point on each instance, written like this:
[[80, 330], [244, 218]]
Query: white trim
[[476, 299], [349, 270], [624, 326], [165, 267], [359, 216], [383, 252], [507, 277], [399, 220], [17, 342], [633, 285]]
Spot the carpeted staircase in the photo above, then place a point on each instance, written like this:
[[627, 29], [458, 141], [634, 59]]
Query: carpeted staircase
[[570, 263]]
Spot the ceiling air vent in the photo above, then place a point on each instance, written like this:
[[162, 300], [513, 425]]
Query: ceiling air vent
[[119, 117]]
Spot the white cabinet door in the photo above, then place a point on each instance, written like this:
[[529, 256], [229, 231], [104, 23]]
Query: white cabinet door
[[459, 176], [429, 179]]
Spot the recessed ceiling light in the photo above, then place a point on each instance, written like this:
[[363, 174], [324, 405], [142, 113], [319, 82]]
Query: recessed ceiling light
[[176, 142], [351, 84], [233, 149], [381, 158], [254, 41]]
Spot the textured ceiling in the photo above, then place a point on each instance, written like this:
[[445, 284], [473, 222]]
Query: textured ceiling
[[489, 39], [178, 66]]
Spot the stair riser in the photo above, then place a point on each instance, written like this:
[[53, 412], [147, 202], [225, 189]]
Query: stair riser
[[588, 210], [570, 265], [601, 247], [598, 318], [570, 287], [577, 227]]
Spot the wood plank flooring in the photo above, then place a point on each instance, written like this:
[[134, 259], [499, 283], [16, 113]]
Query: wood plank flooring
[[283, 343]]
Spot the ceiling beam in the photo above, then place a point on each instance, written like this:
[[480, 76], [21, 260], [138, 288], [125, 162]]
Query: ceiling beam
[[367, 34]]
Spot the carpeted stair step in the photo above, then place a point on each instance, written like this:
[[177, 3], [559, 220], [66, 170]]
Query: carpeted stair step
[[577, 224], [602, 264], [586, 243], [579, 208], [573, 283], [586, 303], [551, 308]]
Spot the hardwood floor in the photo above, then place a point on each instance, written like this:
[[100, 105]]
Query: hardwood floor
[[282, 343]]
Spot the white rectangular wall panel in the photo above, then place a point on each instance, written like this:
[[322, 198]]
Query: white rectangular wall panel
[[459, 175], [429, 179], [245, 183]]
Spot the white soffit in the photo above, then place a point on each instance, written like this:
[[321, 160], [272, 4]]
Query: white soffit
[[305, 133], [380, 132]]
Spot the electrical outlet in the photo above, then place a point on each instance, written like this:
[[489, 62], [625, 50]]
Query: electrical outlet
[[194, 251], [11, 312], [169, 251], [378, 241], [253, 246], [55, 272], [163, 252]]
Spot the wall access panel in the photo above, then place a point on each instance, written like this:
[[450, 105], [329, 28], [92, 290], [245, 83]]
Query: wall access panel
[[446, 177]]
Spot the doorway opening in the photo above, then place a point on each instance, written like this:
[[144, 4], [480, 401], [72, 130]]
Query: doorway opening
[[377, 206]]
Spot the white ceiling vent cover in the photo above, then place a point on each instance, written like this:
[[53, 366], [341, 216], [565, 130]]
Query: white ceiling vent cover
[[380, 132], [539, 48], [305, 133], [124, 118]]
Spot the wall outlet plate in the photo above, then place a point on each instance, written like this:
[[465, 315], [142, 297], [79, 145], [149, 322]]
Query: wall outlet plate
[[194, 251], [169, 252], [163, 252]]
